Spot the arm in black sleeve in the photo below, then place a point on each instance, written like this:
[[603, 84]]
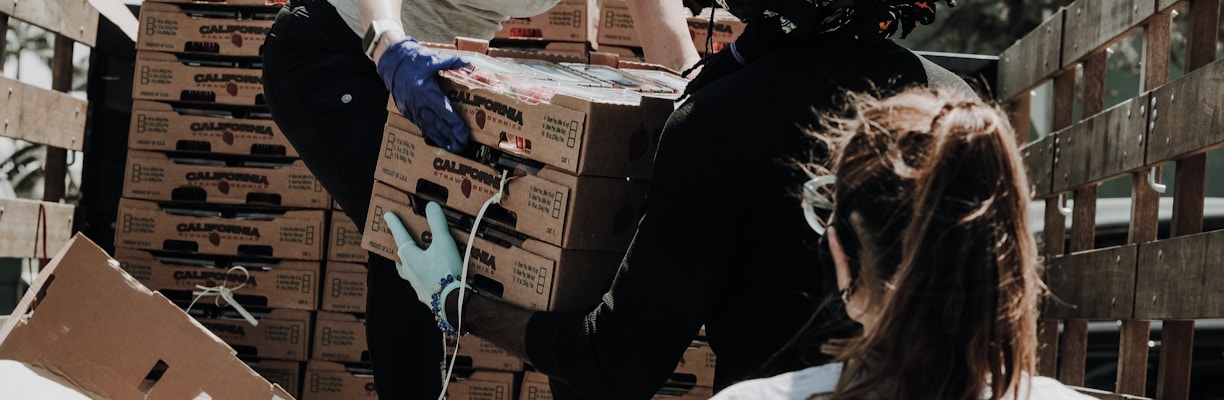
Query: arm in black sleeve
[[670, 279]]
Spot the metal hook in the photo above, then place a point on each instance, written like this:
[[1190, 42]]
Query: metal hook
[[1151, 181], [1062, 205], [71, 157]]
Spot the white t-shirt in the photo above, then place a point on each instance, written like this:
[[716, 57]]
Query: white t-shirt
[[800, 385], [441, 21]]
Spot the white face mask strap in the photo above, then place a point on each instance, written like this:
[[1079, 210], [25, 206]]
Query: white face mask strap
[[467, 256]]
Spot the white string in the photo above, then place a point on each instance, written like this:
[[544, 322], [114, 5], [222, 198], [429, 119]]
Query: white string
[[467, 255], [226, 293]]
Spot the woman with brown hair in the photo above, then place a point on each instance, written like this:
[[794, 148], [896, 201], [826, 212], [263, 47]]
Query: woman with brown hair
[[932, 254]]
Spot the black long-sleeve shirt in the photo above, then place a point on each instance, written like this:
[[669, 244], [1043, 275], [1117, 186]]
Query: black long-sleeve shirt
[[723, 241]]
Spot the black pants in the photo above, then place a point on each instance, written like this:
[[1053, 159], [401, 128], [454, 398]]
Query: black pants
[[331, 104]]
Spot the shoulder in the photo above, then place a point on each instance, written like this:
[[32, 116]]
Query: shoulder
[[1047, 388], [797, 385]]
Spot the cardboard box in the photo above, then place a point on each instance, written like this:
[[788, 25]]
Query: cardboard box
[[287, 374], [280, 335], [344, 287], [697, 364], [581, 137], [185, 29], [568, 21], [168, 77], [157, 176], [344, 243], [535, 387], [726, 30], [590, 213], [616, 25], [482, 385], [267, 283], [146, 225], [333, 381], [532, 274], [113, 338], [478, 353], [339, 337], [685, 393], [158, 126]]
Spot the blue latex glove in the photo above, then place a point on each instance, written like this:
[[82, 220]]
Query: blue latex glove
[[409, 71], [426, 269]]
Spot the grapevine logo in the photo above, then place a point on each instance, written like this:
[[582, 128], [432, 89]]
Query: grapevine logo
[[215, 230], [468, 173], [214, 276], [488, 104]]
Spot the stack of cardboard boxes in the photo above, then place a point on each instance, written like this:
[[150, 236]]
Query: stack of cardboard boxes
[[216, 203], [616, 33], [712, 34], [567, 30]]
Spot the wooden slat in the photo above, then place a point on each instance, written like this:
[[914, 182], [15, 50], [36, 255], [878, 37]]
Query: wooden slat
[[1179, 278], [1074, 352], [1039, 164], [1176, 358], [41, 116], [1162, 5], [22, 228], [1031, 59], [1093, 24], [1095, 285], [1047, 347], [1187, 115], [1020, 113], [1102, 147], [55, 165], [76, 19], [1204, 28], [1133, 356]]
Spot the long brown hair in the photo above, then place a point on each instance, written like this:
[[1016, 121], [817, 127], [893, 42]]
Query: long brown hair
[[931, 210]]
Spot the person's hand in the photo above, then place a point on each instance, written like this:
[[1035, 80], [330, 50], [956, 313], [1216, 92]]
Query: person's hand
[[426, 269], [409, 71]]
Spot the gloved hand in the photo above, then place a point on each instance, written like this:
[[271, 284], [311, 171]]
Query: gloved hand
[[426, 269], [409, 71]]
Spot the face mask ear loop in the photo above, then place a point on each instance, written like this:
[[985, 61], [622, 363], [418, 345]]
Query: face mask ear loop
[[467, 256]]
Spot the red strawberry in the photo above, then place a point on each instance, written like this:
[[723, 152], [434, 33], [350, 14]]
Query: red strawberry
[[228, 137], [480, 118], [232, 88], [467, 187], [214, 238], [223, 186], [237, 40]]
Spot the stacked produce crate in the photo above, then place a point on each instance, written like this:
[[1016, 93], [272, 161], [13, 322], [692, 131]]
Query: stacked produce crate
[[218, 213], [576, 143], [712, 34], [568, 29], [617, 33]]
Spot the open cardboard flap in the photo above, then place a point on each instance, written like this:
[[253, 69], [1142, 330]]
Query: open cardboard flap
[[94, 326]]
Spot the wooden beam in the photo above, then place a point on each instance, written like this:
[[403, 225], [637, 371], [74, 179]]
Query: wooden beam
[[1204, 28], [1185, 116], [1104, 146], [33, 229], [1178, 280], [1031, 59], [1039, 165], [1021, 115], [1093, 285], [55, 166], [1047, 347], [1092, 25], [76, 19], [1176, 357], [1074, 350], [41, 116]]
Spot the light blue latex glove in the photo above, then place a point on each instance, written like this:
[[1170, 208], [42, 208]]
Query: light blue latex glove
[[409, 70], [426, 269]]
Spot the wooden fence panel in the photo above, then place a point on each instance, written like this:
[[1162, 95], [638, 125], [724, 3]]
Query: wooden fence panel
[[1102, 147], [33, 229], [1031, 59], [1179, 278], [1188, 115], [1039, 164], [1091, 24], [1093, 285], [75, 19], [41, 116]]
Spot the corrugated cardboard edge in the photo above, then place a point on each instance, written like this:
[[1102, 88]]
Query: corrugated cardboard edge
[[80, 248]]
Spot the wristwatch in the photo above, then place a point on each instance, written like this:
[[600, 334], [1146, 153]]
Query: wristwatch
[[375, 32]]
